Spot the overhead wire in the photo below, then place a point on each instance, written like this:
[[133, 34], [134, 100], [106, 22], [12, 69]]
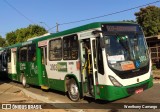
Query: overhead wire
[[19, 12], [72, 22], [125, 10]]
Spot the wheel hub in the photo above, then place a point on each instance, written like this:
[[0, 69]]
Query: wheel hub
[[24, 81], [74, 89]]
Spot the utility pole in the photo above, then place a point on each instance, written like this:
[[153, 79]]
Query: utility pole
[[57, 27]]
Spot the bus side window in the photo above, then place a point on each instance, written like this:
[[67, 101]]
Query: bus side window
[[100, 59], [4, 59], [32, 52], [23, 54], [17, 54], [94, 53], [70, 47], [55, 49], [14, 57], [9, 56], [44, 55]]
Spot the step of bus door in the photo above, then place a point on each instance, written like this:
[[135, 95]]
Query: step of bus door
[[88, 95], [44, 87]]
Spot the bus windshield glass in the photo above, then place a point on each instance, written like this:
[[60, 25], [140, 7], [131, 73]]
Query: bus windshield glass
[[126, 50]]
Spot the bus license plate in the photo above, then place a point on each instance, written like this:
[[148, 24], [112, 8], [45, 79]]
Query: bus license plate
[[139, 91]]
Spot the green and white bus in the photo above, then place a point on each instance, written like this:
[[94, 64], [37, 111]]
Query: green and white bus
[[103, 60]]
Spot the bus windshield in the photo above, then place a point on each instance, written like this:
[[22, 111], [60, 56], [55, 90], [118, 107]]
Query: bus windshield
[[126, 51]]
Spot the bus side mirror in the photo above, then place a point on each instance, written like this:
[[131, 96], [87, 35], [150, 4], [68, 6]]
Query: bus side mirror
[[102, 44]]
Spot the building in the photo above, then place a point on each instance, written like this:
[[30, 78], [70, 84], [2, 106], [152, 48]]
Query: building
[[154, 47]]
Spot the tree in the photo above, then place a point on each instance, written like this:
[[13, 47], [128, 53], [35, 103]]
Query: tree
[[23, 34], [2, 42], [132, 21], [149, 19], [35, 30], [11, 38]]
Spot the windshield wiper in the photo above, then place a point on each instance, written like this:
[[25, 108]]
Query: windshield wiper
[[121, 40]]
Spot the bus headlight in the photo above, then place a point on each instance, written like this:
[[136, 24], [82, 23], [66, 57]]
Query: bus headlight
[[114, 81]]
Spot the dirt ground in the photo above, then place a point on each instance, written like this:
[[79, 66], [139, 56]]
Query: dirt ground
[[156, 74], [10, 94]]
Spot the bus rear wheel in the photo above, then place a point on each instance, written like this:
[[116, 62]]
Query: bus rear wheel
[[73, 90], [24, 83]]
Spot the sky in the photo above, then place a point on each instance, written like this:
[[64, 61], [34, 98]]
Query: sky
[[15, 14]]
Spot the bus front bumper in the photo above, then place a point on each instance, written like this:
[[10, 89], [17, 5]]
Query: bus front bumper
[[111, 93]]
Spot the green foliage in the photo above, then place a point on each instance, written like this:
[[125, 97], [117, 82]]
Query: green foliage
[[22, 34], [149, 19], [131, 21], [2, 42], [11, 38]]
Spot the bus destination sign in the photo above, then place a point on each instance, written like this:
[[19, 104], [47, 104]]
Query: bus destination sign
[[120, 28]]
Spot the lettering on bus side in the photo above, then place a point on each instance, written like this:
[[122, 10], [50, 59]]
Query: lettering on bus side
[[22, 66], [60, 67], [33, 68], [53, 67]]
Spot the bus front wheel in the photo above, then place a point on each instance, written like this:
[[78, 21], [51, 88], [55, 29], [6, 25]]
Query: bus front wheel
[[73, 90]]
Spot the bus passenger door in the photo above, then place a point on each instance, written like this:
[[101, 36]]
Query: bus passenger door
[[94, 55], [89, 67], [12, 68], [45, 84], [32, 65]]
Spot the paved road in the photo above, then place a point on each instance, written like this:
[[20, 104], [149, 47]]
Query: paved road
[[151, 95]]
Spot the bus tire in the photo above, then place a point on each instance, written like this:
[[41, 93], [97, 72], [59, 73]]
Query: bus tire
[[73, 90]]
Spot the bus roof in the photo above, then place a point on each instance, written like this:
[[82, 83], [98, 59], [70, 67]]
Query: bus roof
[[79, 29], [67, 32]]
